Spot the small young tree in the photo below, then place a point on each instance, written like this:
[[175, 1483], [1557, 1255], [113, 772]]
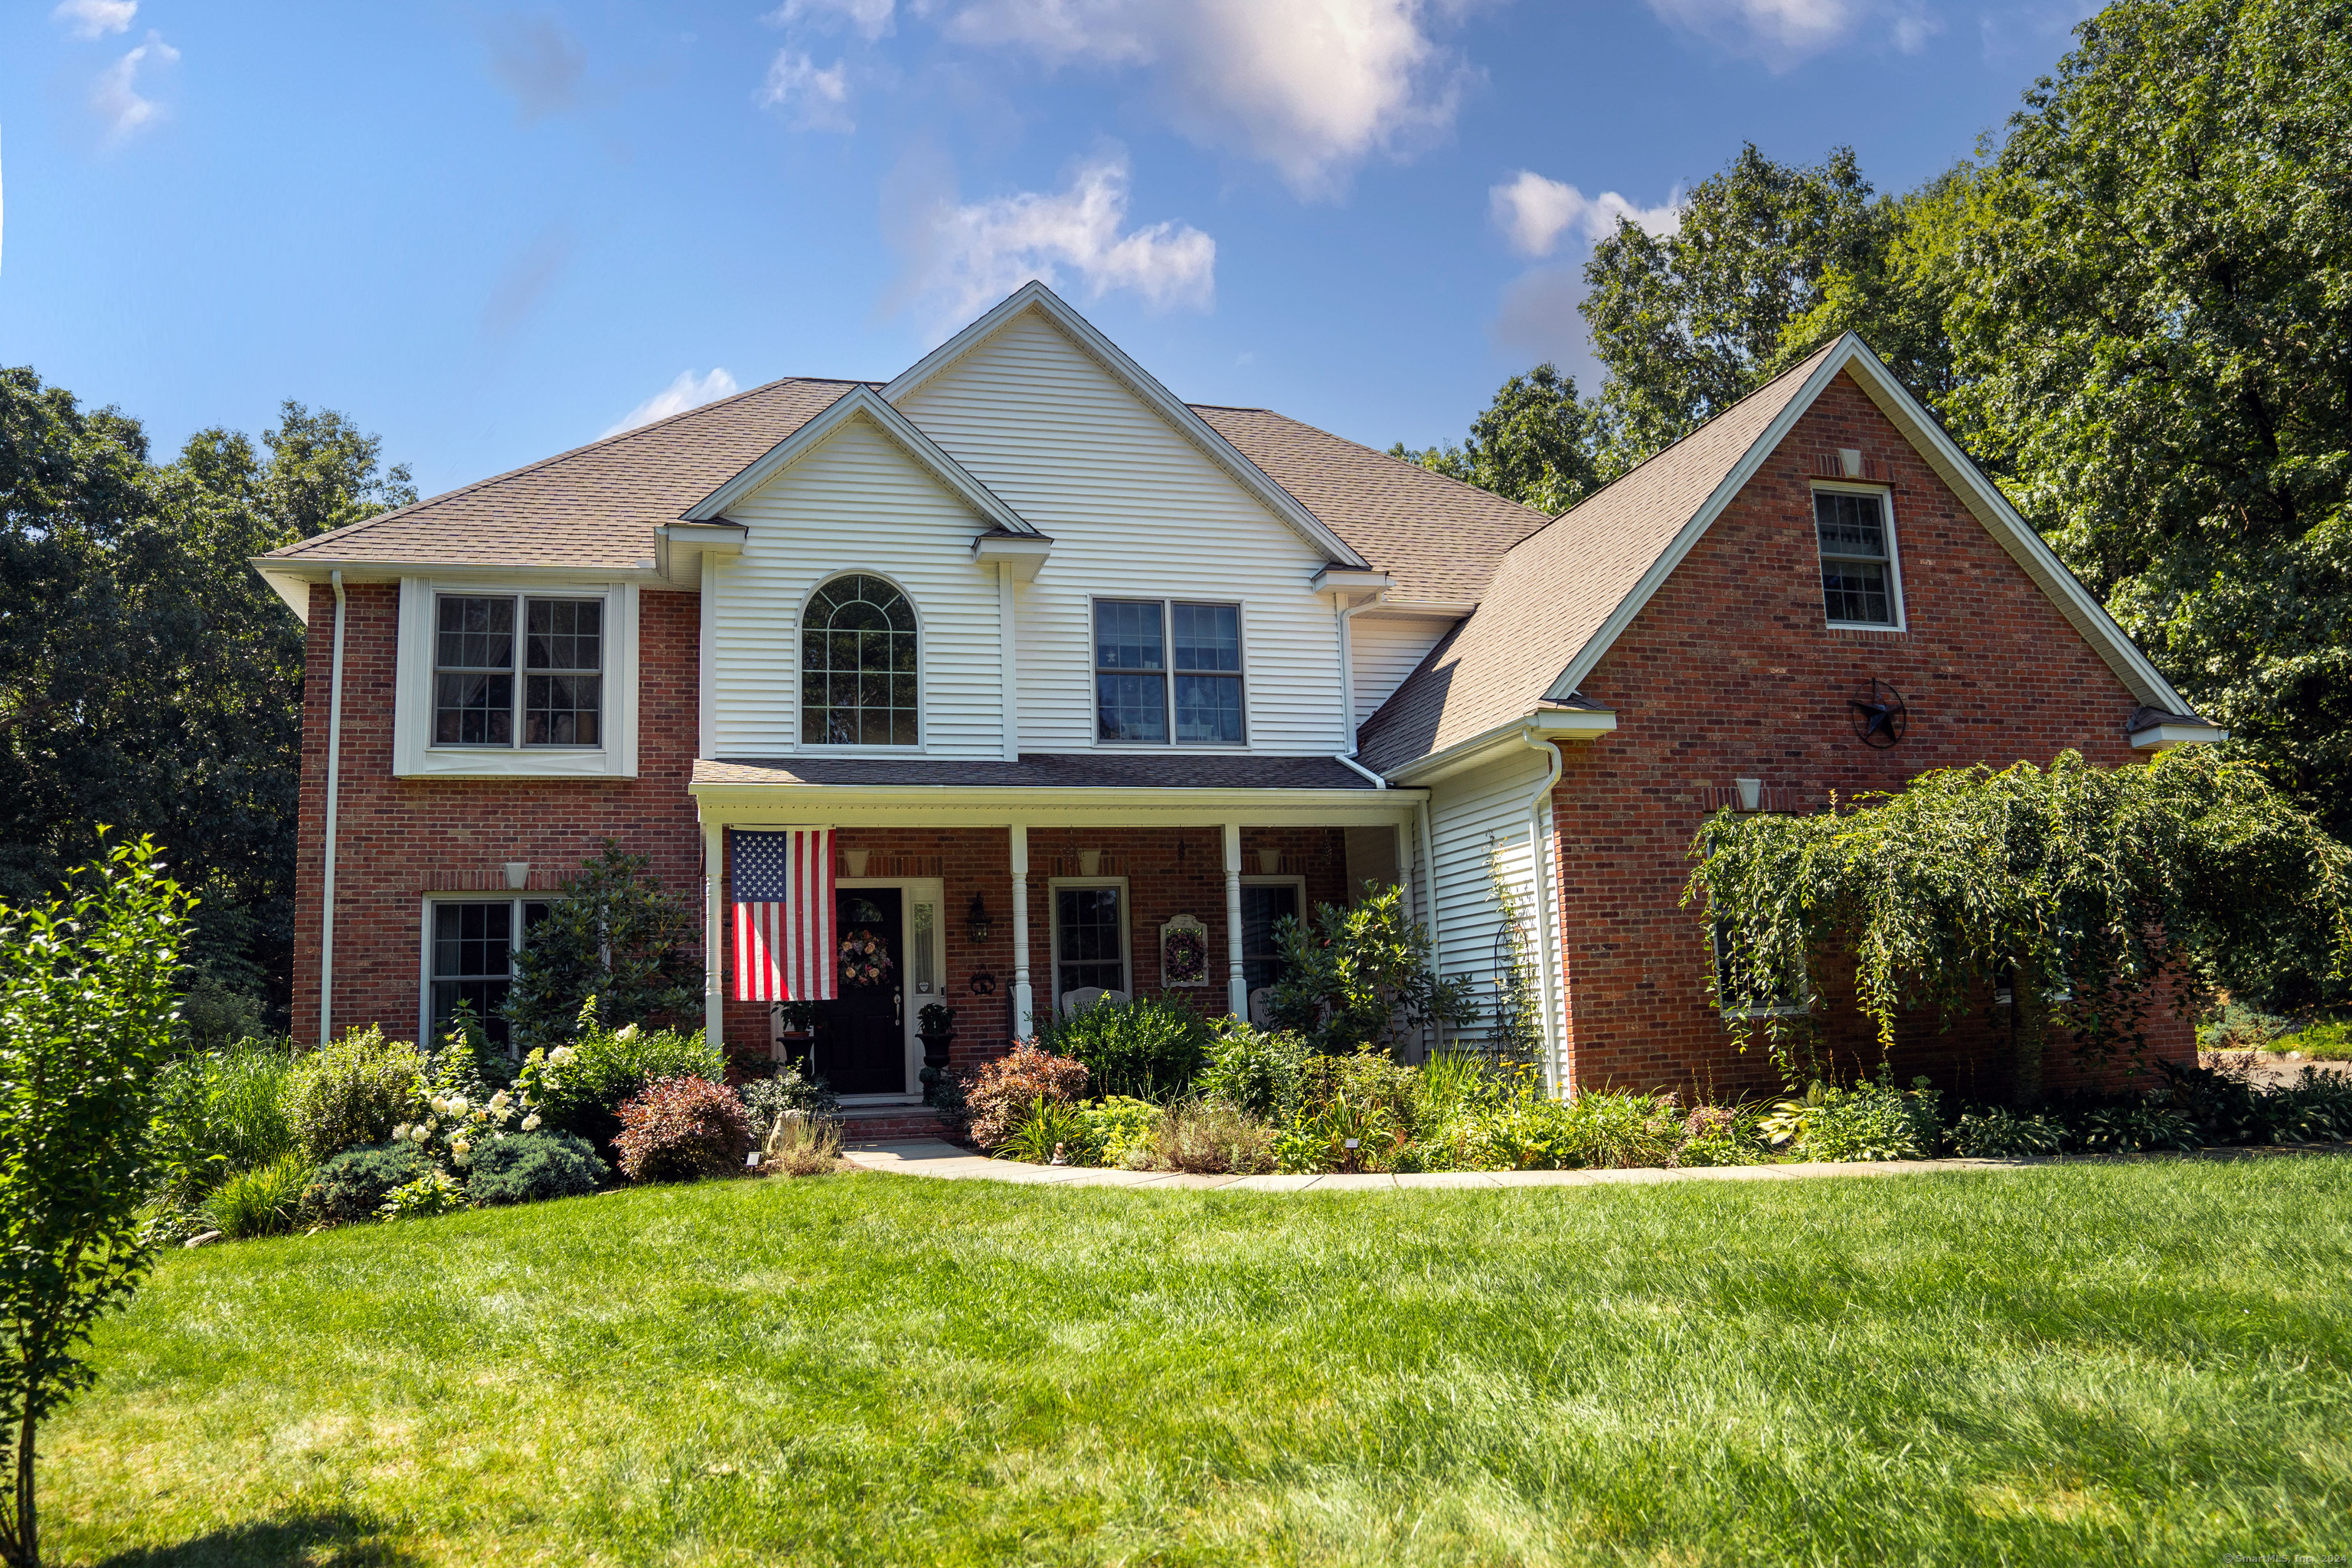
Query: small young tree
[[1364, 978], [613, 934], [86, 1022], [2076, 888]]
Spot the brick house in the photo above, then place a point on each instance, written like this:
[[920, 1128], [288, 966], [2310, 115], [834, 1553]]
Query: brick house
[[1086, 689]]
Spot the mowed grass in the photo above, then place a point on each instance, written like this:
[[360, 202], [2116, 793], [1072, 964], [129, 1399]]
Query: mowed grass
[[2122, 1364]]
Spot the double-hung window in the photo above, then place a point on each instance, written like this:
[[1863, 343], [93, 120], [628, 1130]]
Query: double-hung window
[[1168, 669], [1089, 937], [469, 948], [518, 670], [1861, 584]]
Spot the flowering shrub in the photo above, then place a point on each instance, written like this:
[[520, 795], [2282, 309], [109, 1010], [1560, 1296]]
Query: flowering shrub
[[350, 1091], [580, 1088], [455, 1123], [999, 1093], [681, 1128], [435, 1191]]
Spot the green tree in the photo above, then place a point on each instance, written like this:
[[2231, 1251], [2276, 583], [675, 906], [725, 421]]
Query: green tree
[[1689, 322], [615, 935], [2153, 345], [1533, 445], [2078, 889], [86, 1026], [1359, 976], [148, 679]]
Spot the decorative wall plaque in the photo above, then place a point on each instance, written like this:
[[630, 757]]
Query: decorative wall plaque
[[1184, 952]]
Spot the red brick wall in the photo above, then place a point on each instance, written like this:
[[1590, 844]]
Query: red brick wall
[[1731, 672], [397, 839]]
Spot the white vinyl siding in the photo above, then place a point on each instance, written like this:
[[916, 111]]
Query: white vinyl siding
[[1387, 649], [1468, 814], [856, 503], [1133, 509]]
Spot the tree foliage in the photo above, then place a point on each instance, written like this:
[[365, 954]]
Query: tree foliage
[[148, 678], [2078, 889], [1533, 445], [614, 936], [1359, 976], [86, 1024]]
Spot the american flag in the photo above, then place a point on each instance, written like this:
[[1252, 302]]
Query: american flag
[[783, 893]]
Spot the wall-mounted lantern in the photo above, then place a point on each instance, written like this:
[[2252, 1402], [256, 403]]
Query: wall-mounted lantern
[[976, 920]]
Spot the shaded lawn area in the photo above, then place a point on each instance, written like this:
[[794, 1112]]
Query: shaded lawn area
[[2127, 1363]]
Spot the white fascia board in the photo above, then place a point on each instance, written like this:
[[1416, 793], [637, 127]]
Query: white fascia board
[[1543, 724], [1352, 579], [1024, 556], [292, 577], [1982, 497], [902, 432], [680, 547], [294, 587], [1696, 529], [2164, 737], [947, 806], [1033, 295]]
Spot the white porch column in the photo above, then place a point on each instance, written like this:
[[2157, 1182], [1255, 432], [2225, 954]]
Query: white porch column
[[714, 934], [1236, 985], [1024, 1022]]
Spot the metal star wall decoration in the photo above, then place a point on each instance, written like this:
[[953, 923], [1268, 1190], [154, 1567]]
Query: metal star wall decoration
[[1882, 719]]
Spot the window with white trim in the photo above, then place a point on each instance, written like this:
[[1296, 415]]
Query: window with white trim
[[1266, 903], [469, 948], [1861, 584], [494, 688], [860, 666], [1089, 936], [1168, 669]]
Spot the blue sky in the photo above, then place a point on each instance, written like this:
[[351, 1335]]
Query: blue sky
[[489, 234]]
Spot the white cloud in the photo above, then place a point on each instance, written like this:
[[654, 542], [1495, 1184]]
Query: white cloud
[[1534, 211], [870, 17], [817, 100], [96, 18], [1307, 86], [1785, 32], [115, 97], [971, 255], [688, 390]]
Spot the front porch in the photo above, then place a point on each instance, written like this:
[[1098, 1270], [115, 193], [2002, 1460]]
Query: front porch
[[1139, 890]]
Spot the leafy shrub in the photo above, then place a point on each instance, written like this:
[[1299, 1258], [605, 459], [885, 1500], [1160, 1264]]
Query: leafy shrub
[[1047, 1128], [2315, 1108], [1212, 1138], [2327, 1042], [436, 1192], [222, 1112], [265, 1201], [1357, 1130], [1262, 1072], [1524, 1131], [1120, 1131], [800, 1146], [765, 1099], [532, 1167], [616, 934], [1359, 976], [2000, 1134], [1146, 1048], [1612, 1132], [1720, 1135], [581, 1087], [350, 1092], [354, 1184], [681, 1128], [999, 1093], [1872, 1120], [2234, 1025], [1372, 1081]]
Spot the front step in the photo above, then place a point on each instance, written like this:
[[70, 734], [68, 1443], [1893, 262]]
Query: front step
[[894, 1124]]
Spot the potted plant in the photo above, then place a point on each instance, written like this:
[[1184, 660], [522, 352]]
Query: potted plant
[[935, 1027], [796, 1025]]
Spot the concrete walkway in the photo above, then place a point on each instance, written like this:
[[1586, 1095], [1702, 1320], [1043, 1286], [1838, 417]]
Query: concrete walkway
[[931, 1157]]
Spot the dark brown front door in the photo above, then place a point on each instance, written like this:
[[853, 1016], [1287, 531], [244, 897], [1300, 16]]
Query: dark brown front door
[[862, 1046]]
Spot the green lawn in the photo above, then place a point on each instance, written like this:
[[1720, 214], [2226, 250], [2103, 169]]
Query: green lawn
[[2130, 1363]]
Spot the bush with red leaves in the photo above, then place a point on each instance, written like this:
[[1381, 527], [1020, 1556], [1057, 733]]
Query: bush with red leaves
[[678, 1129], [1000, 1094]]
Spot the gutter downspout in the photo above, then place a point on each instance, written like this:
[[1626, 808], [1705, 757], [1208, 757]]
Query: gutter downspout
[[1347, 759], [334, 780], [1538, 864]]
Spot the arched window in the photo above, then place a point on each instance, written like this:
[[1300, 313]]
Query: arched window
[[857, 666]]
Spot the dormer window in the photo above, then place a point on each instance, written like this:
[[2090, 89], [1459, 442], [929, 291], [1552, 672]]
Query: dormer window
[[1860, 583], [858, 666]]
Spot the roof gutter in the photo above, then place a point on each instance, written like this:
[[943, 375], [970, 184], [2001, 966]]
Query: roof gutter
[[1551, 723]]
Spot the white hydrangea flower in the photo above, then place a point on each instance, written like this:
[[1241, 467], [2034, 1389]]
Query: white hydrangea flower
[[499, 1100], [439, 1105], [458, 1105], [400, 1134], [626, 1031], [419, 1134], [531, 1122], [562, 1056]]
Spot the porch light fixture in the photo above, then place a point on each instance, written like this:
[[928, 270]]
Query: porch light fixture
[[976, 919]]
